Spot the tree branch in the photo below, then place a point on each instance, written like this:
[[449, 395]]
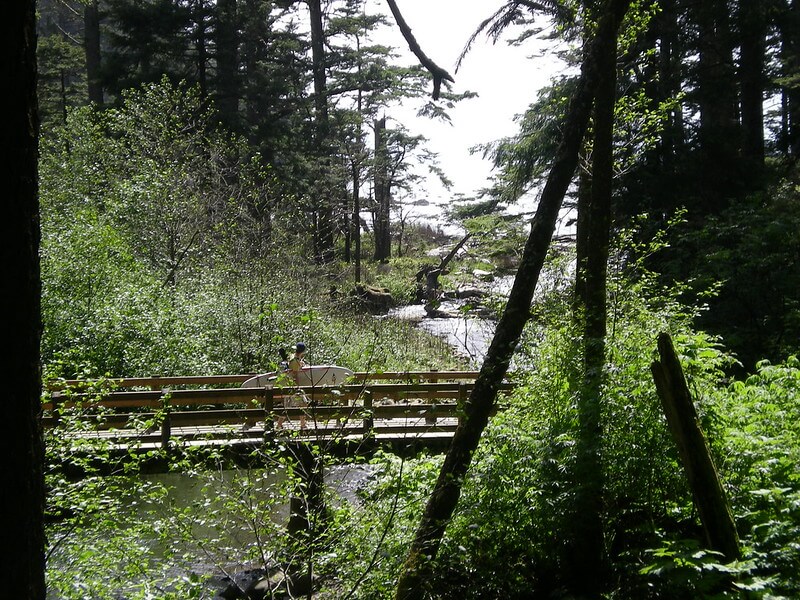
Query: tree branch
[[439, 74]]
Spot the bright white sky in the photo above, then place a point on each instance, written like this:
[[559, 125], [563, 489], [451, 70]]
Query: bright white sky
[[506, 79]]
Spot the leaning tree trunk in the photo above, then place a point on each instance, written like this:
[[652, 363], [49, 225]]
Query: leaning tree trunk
[[430, 274], [442, 502], [701, 472], [21, 440]]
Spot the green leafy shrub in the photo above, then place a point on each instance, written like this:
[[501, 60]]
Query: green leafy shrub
[[375, 534]]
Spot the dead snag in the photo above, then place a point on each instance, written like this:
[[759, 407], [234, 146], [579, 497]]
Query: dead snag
[[709, 495]]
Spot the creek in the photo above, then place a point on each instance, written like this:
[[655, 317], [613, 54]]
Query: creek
[[154, 526], [467, 334], [466, 330], [465, 324]]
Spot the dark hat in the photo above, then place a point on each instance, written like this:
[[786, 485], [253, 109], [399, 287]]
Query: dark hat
[[300, 347]]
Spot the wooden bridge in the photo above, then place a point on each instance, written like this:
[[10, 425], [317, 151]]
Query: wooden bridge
[[422, 407]]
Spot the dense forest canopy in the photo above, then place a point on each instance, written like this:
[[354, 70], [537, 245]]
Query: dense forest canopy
[[707, 127], [218, 179]]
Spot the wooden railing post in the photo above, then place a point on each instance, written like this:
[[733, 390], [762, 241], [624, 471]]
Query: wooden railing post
[[166, 431], [430, 418], [269, 405], [166, 424], [55, 401], [369, 420]]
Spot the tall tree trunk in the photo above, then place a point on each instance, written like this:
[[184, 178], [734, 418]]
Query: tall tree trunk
[[356, 221], [416, 570], [788, 23], [324, 228], [201, 45], [228, 91], [91, 40], [21, 440], [383, 239], [356, 165], [669, 83], [347, 225], [720, 137], [752, 28], [585, 552]]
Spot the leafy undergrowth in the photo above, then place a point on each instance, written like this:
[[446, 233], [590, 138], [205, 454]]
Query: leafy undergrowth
[[509, 538]]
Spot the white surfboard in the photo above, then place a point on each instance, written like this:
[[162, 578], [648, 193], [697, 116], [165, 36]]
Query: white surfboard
[[316, 375], [259, 381]]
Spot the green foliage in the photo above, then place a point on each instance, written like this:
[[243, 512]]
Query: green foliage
[[497, 237], [760, 419], [153, 264], [61, 81], [523, 474], [506, 539], [397, 275], [167, 247], [683, 569], [376, 533], [762, 415], [749, 253], [115, 530]]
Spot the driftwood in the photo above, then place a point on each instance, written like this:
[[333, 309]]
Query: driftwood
[[375, 299], [431, 273], [709, 495]]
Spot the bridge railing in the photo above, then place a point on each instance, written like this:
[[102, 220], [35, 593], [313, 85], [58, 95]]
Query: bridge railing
[[181, 381], [366, 405]]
